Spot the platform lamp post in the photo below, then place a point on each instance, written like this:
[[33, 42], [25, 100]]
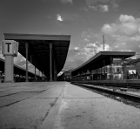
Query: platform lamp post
[[9, 50]]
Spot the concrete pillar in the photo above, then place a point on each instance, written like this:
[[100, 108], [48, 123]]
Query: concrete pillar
[[9, 68], [9, 50], [50, 46], [26, 46]]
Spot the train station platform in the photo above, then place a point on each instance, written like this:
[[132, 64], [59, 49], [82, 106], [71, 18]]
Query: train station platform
[[61, 105]]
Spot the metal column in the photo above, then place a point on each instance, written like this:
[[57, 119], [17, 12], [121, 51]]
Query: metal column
[[104, 77], [50, 46], [55, 71], [123, 70], [26, 46], [111, 69]]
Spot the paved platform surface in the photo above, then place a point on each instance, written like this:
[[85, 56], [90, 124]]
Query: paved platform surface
[[60, 105]]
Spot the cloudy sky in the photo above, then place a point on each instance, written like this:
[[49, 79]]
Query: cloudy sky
[[85, 20]]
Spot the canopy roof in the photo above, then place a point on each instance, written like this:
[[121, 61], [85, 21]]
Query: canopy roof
[[39, 52], [101, 59], [17, 70]]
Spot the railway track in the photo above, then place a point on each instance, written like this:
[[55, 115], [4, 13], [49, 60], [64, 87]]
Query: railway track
[[135, 84], [120, 93]]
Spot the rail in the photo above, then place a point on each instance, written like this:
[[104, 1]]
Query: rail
[[121, 93]]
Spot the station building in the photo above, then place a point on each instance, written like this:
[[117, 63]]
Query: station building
[[106, 65]]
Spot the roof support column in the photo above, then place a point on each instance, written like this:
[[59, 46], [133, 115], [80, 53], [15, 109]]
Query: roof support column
[[55, 71], [111, 68], [26, 46], [9, 68], [50, 47], [123, 70], [104, 74]]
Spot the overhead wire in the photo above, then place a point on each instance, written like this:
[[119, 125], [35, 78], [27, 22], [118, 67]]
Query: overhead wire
[[122, 25], [86, 24]]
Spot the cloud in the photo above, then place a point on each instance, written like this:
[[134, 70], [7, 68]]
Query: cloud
[[109, 28], [122, 38], [59, 18], [126, 18], [127, 25], [78, 56], [88, 35], [70, 17], [92, 44], [102, 5], [114, 4], [102, 8], [92, 48], [86, 39], [73, 58], [76, 48], [123, 35], [67, 18], [67, 1]]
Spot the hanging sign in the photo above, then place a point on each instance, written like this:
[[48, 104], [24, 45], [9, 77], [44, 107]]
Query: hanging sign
[[9, 47]]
